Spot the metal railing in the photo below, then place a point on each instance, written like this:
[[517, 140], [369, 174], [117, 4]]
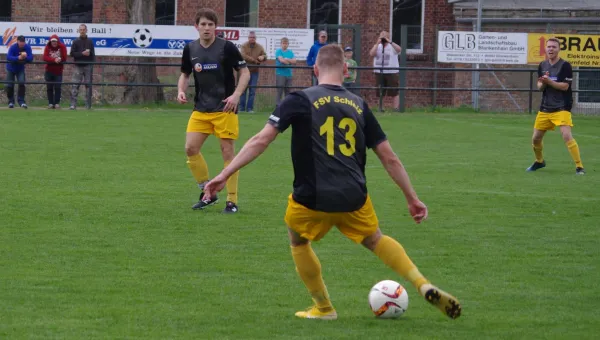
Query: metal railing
[[438, 88]]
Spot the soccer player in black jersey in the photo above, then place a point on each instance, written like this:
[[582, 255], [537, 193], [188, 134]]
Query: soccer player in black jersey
[[331, 131], [212, 60], [555, 78]]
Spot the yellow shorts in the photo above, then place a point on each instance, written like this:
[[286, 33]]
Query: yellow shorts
[[224, 125], [548, 121], [313, 225]]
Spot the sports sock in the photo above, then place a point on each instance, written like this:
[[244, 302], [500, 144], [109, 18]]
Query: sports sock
[[309, 269], [537, 150], [232, 186], [198, 167], [393, 255], [574, 151]]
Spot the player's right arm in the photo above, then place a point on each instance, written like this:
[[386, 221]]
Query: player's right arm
[[291, 108], [184, 78], [540, 85], [376, 139]]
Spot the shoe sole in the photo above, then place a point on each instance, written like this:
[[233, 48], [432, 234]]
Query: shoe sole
[[444, 302], [208, 205], [324, 317], [230, 212], [531, 170]]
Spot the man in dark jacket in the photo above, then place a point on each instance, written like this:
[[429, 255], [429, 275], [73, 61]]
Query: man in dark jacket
[[83, 53], [55, 54], [311, 59], [18, 55]]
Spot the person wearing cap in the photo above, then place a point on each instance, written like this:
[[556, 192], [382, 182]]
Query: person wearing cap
[[55, 54], [83, 54], [350, 77], [314, 51], [17, 56]]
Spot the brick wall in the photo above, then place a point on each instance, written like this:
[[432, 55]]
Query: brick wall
[[36, 10], [370, 14], [109, 12], [284, 14], [186, 10]]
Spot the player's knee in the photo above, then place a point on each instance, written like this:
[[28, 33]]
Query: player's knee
[[370, 242], [567, 136], [191, 150], [227, 150], [295, 239]]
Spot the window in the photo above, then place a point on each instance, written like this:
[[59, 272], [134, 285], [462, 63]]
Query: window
[[588, 81], [165, 12], [6, 10], [241, 13], [408, 13], [324, 12], [76, 11]]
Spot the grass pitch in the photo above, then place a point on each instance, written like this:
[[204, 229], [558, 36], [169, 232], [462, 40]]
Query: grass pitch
[[97, 238]]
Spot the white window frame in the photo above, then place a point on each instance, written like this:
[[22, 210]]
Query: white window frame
[[391, 29], [339, 35]]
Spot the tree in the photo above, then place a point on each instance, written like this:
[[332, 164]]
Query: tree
[[141, 12]]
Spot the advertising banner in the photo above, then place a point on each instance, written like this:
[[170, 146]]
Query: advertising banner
[[482, 47], [148, 40]]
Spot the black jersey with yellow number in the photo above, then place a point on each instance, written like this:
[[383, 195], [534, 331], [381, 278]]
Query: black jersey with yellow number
[[213, 72], [331, 131]]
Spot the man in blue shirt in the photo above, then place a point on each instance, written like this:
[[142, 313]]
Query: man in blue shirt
[[314, 50], [18, 55], [284, 56]]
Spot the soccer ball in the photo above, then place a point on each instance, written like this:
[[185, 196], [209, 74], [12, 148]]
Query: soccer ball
[[142, 37], [388, 299]]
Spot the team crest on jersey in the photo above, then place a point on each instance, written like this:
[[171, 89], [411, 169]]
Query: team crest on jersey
[[205, 67]]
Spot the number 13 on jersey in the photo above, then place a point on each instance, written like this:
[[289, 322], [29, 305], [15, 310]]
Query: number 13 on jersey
[[346, 124]]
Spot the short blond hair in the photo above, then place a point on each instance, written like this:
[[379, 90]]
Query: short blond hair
[[330, 57], [554, 40]]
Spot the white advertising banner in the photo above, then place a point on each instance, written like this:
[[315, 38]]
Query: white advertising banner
[[148, 40], [482, 48]]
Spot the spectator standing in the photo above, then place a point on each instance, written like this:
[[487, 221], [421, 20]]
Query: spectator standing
[[314, 51], [284, 56], [385, 53], [55, 54], [350, 77], [83, 54], [254, 54], [17, 56]]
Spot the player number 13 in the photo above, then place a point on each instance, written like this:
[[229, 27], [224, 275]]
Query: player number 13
[[346, 124]]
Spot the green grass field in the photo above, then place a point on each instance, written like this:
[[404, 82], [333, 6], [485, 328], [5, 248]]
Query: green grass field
[[98, 241]]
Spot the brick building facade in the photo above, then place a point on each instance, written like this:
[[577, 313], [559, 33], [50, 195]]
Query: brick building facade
[[373, 16]]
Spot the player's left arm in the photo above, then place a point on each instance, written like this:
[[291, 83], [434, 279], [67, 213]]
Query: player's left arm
[[376, 139], [237, 62], [564, 79]]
